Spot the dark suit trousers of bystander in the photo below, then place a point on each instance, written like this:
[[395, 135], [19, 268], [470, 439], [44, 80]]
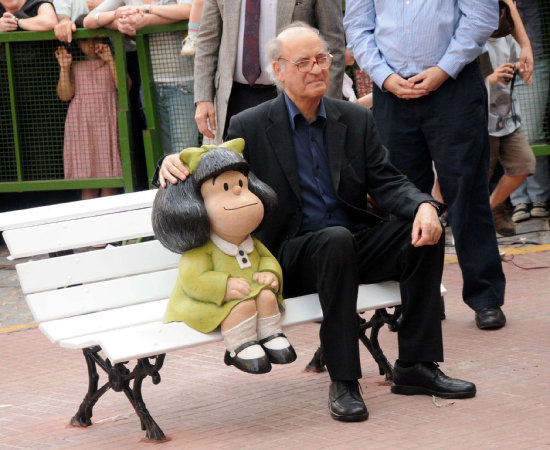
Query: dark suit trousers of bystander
[[449, 126]]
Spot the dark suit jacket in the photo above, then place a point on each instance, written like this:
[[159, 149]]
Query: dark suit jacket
[[358, 162]]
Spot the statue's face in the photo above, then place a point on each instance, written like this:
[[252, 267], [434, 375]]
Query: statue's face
[[234, 212]]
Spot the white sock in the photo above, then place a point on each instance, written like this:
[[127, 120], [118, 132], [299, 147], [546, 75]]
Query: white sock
[[241, 333], [268, 326]]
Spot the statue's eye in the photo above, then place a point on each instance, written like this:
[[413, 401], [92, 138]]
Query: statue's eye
[[226, 186], [241, 183]]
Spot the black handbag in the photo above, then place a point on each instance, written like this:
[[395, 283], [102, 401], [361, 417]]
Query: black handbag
[[505, 21]]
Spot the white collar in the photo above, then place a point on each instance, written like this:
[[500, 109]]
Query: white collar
[[231, 249]]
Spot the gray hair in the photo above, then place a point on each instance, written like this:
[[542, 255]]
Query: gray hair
[[275, 45]]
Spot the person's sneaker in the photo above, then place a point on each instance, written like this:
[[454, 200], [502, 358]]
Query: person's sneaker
[[503, 224], [539, 209], [188, 47], [521, 213]]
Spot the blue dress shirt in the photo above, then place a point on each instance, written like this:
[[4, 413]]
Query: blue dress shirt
[[320, 204], [409, 36]]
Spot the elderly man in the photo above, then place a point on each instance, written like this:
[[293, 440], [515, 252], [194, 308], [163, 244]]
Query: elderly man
[[322, 156]]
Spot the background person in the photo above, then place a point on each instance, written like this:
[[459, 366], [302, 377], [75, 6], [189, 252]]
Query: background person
[[29, 15], [222, 88], [90, 147], [430, 104]]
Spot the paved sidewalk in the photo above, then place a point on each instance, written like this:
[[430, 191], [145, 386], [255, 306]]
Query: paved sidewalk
[[201, 403]]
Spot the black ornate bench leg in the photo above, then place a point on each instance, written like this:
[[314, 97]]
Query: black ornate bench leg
[[84, 414], [377, 321], [317, 363], [143, 369], [119, 380], [379, 318]]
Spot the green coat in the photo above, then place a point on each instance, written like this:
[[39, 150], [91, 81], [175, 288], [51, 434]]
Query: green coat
[[197, 297]]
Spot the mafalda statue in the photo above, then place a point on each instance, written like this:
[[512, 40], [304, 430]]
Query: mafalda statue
[[226, 277]]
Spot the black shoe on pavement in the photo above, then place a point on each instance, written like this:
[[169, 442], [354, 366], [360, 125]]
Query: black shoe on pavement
[[345, 402], [428, 379], [490, 318]]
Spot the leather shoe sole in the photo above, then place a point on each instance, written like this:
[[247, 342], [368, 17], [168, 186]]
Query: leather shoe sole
[[421, 390], [358, 417], [490, 319]]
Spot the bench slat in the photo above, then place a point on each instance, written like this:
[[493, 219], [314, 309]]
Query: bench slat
[[86, 324], [112, 262], [154, 338], [93, 297], [76, 210], [78, 233]]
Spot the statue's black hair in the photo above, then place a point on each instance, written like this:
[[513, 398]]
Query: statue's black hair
[[179, 217]]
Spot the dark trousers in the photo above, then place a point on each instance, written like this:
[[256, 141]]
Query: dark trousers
[[449, 126], [244, 96], [333, 262]]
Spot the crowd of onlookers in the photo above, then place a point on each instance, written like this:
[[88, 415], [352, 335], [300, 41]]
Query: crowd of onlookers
[[201, 95]]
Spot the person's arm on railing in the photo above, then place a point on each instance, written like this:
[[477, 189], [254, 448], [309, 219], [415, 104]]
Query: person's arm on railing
[[45, 20], [65, 85], [104, 15], [130, 19]]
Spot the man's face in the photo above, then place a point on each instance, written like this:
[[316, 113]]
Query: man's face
[[302, 44]]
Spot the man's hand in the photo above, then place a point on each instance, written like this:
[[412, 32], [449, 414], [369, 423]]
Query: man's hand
[[126, 11], [127, 25], [236, 288], [8, 22], [172, 169], [430, 79], [64, 30], [205, 116], [426, 226], [267, 279], [402, 88], [526, 64]]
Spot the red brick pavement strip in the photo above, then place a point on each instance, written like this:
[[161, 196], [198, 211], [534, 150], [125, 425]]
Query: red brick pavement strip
[[201, 403]]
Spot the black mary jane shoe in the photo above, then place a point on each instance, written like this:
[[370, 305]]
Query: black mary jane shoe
[[282, 356], [255, 365]]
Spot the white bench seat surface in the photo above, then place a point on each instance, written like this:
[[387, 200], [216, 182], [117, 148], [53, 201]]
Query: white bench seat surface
[[155, 337]]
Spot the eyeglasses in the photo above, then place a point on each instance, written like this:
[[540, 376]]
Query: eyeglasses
[[324, 61]]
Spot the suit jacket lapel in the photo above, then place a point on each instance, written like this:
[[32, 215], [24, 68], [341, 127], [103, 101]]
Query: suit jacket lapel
[[280, 138], [285, 9], [335, 135]]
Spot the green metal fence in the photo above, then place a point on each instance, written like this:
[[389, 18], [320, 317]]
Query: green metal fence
[[32, 116]]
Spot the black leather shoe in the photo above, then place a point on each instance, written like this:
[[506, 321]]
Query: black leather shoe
[[255, 365], [345, 402], [490, 318], [282, 356], [428, 379]]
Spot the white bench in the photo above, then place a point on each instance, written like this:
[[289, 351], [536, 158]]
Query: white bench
[[110, 302]]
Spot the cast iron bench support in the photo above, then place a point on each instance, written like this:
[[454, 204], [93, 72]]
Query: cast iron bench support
[[119, 378], [378, 320]]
